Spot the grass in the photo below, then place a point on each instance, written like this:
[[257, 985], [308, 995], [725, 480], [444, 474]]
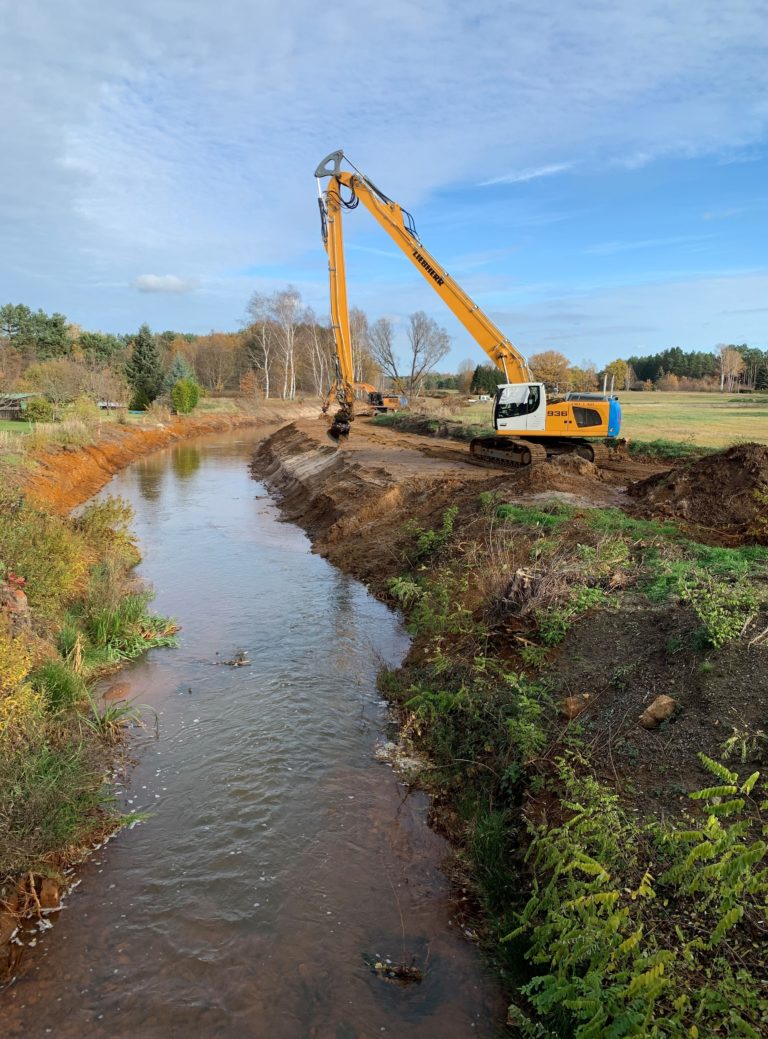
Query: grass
[[713, 420], [9, 426]]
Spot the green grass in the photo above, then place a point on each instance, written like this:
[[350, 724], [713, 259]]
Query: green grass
[[713, 420], [9, 426]]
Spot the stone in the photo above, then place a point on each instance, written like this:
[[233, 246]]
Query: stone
[[50, 894], [663, 707], [13, 602], [572, 706], [117, 691]]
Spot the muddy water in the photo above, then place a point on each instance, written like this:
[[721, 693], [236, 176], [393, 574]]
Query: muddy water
[[278, 853]]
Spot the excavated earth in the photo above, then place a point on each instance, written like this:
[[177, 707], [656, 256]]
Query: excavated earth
[[355, 500], [726, 491]]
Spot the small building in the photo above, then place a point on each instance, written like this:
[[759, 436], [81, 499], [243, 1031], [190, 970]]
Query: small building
[[13, 405]]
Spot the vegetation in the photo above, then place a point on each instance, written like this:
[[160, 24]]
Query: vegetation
[[185, 395], [70, 610], [631, 923]]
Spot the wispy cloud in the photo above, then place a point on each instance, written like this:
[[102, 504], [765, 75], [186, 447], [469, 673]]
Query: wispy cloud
[[165, 283], [723, 214], [609, 248], [532, 173]]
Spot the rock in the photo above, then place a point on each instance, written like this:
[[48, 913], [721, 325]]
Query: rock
[[50, 894], [572, 706], [13, 602], [663, 707], [117, 691]]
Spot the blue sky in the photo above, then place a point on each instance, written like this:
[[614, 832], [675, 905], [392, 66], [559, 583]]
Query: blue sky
[[596, 176]]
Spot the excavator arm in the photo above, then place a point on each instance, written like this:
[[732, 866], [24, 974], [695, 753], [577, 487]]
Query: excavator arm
[[398, 224], [529, 427]]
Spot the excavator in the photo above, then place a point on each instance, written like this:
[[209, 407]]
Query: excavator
[[530, 427], [380, 403]]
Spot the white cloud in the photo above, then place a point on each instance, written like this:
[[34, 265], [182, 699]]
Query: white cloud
[[530, 174], [165, 283], [161, 135]]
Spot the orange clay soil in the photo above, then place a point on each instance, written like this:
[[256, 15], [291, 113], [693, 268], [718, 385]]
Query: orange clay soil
[[66, 476]]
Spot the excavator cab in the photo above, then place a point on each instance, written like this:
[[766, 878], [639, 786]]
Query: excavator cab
[[520, 407]]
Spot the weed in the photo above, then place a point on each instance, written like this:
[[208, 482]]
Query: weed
[[60, 684], [548, 518], [534, 656], [613, 964], [428, 542]]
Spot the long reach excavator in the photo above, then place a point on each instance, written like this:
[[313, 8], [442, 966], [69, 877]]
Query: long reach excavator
[[529, 426]]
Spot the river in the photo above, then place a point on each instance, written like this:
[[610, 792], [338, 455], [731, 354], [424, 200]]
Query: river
[[279, 855]]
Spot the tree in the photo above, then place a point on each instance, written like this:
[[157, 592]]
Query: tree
[[618, 373], [36, 334], [100, 347], [465, 376], [429, 343], [731, 366], [180, 369], [59, 379], [550, 367], [217, 359], [144, 370], [486, 378], [272, 336]]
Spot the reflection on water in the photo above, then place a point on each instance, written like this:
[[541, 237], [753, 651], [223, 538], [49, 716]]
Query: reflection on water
[[277, 854], [186, 460]]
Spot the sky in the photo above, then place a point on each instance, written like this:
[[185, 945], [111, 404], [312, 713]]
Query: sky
[[594, 175]]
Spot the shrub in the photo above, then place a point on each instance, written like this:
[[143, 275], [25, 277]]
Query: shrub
[[39, 409], [184, 396]]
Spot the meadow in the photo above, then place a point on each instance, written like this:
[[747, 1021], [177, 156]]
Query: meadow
[[701, 419]]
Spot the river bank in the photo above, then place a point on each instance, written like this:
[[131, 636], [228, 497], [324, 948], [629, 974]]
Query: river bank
[[71, 611], [280, 860], [590, 684]]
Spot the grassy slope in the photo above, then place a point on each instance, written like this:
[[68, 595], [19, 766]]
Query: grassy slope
[[619, 856]]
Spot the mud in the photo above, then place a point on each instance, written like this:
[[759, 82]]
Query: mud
[[726, 491]]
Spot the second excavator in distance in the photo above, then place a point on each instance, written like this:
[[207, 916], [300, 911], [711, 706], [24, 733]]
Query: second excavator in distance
[[529, 425]]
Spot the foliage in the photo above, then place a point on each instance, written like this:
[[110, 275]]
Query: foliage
[[428, 542], [144, 369], [671, 450], [180, 369], [548, 517], [613, 963], [39, 410], [45, 549], [184, 396]]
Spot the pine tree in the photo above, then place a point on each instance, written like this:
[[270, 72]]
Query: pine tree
[[180, 369], [144, 370]]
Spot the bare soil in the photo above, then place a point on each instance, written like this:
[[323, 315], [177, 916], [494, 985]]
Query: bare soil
[[727, 492], [356, 500], [359, 503]]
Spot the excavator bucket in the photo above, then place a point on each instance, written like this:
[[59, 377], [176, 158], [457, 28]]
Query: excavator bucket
[[339, 428]]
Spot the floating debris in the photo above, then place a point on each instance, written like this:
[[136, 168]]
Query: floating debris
[[404, 974]]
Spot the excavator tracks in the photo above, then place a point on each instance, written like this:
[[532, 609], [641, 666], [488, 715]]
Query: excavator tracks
[[507, 453]]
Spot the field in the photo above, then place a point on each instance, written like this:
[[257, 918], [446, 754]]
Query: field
[[706, 419], [14, 427]]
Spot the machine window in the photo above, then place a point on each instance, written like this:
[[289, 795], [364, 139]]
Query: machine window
[[587, 417]]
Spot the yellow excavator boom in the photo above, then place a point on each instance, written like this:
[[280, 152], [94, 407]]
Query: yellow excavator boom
[[528, 426]]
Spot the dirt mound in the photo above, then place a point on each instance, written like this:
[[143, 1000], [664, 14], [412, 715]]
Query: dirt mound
[[726, 491]]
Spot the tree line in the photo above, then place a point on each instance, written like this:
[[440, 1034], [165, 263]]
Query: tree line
[[281, 350]]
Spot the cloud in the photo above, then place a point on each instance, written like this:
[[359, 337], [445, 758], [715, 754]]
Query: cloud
[[609, 248], [137, 146], [165, 283], [530, 174]]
